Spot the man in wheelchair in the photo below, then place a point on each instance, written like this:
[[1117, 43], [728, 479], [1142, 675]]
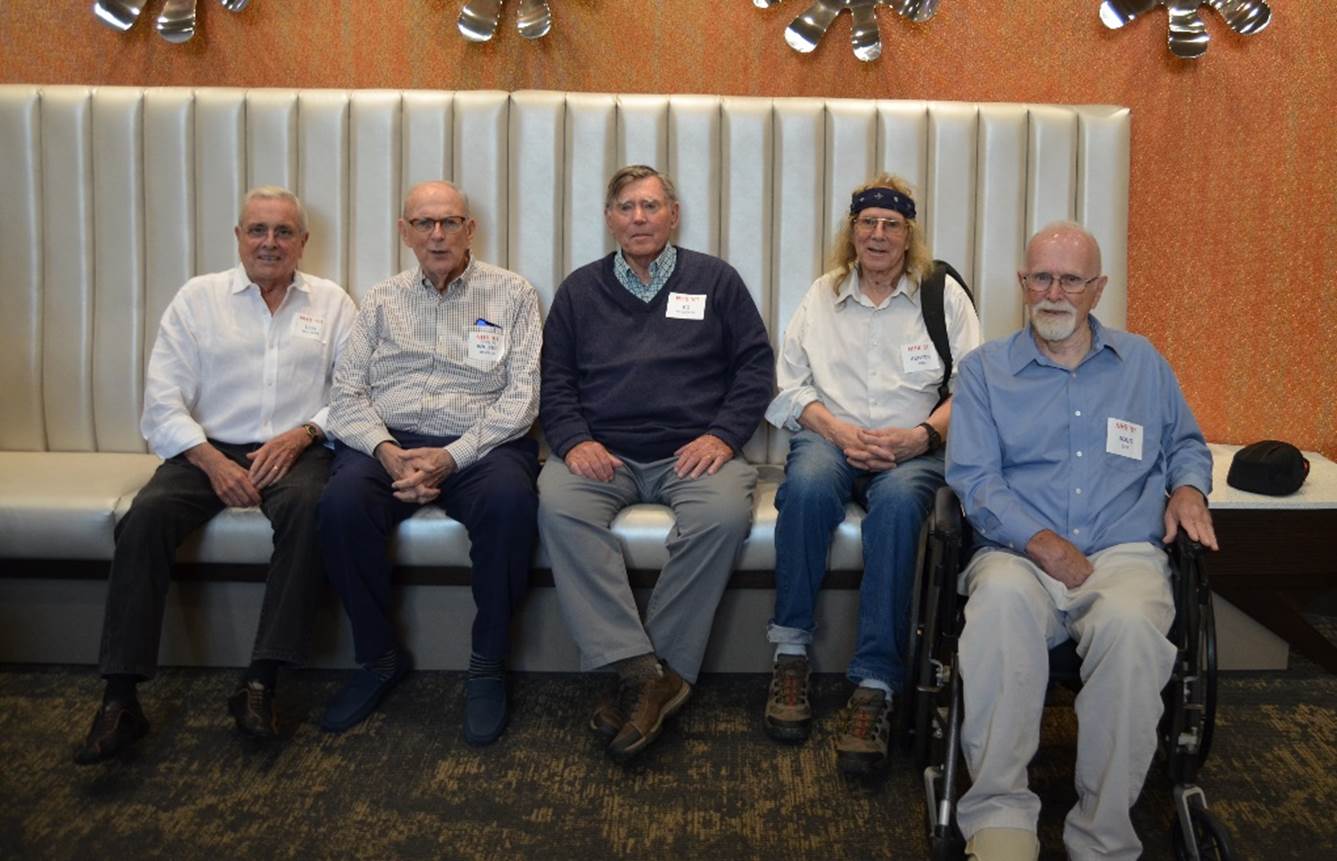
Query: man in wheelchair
[[1075, 457]]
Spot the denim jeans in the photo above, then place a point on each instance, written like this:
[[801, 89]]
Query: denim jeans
[[811, 501]]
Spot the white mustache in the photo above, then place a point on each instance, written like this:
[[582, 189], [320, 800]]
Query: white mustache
[[1055, 305]]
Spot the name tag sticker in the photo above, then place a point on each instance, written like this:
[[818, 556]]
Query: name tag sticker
[[1124, 438], [309, 326], [484, 344], [919, 357], [686, 306]]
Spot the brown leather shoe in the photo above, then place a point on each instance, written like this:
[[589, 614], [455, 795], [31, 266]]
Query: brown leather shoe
[[654, 702], [610, 713], [117, 726], [788, 715], [862, 748], [252, 706]]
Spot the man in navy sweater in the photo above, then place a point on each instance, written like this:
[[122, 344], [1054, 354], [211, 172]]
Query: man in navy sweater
[[656, 370]]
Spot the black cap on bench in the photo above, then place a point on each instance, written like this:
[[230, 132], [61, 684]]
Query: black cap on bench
[[1271, 466]]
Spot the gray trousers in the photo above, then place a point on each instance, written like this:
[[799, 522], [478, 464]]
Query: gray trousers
[[1014, 615], [712, 516]]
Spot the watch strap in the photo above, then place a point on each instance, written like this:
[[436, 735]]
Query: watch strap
[[934, 438]]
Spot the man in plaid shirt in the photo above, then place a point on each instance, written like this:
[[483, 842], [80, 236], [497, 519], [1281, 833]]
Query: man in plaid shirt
[[433, 400]]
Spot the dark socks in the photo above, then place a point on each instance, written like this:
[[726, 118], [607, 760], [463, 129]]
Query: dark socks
[[481, 667], [264, 671], [385, 665], [121, 688]]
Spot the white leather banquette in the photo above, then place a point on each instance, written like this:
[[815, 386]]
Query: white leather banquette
[[110, 198]]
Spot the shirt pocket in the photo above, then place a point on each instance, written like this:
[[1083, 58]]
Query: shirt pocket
[[485, 348], [1132, 435], [307, 361]]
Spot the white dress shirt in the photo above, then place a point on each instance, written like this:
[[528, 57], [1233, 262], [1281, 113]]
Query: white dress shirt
[[871, 365], [224, 368]]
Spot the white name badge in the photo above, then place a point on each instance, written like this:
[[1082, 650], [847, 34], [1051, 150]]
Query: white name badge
[[686, 306], [919, 357], [309, 326], [1124, 438], [484, 344]]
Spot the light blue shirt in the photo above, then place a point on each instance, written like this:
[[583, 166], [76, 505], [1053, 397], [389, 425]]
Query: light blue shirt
[[660, 270], [1028, 444]]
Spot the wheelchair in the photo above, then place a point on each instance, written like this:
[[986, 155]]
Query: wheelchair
[[931, 722]]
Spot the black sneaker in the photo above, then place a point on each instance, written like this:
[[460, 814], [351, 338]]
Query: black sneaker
[[117, 726], [252, 706]]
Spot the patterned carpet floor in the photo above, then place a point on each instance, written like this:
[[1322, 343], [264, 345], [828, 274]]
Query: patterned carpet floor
[[405, 785]]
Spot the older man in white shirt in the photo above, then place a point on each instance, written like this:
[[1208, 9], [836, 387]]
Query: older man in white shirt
[[235, 402]]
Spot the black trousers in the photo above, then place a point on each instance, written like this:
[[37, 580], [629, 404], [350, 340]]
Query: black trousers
[[177, 501], [496, 500]]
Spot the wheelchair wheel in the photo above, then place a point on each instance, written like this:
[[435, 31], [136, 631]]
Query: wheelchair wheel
[[1209, 836], [947, 847]]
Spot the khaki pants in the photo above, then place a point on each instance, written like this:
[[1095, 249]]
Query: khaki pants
[[1119, 618]]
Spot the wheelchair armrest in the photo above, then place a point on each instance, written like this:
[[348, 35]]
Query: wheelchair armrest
[[945, 520], [1186, 549]]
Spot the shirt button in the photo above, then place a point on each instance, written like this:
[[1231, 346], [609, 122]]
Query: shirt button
[[1079, 454], [1077, 532], [1077, 413], [1079, 491]]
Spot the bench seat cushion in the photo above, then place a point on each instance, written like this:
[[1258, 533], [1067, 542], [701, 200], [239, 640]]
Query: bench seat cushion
[[61, 505], [430, 539]]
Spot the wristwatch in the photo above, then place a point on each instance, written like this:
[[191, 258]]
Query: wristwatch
[[934, 438], [313, 431]]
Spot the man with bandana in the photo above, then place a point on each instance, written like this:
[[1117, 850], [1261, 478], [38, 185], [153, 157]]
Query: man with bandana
[[1075, 458], [859, 386]]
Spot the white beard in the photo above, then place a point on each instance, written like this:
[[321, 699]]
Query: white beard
[[1054, 328]]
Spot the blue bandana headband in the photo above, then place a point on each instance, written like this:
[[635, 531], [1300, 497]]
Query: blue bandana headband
[[883, 198]]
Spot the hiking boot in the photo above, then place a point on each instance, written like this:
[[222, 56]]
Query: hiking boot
[[117, 726], [652, 702], [788, 710], [252, 707], [610, 713], [862, 747]]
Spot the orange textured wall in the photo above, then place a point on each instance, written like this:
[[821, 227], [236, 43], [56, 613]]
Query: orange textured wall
[[1234, 186]]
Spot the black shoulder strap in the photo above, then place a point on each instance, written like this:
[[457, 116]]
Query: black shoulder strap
[[935, 317]]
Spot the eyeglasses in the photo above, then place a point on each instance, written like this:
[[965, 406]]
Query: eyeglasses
[[449, 224], [649, 206], [282, 233], [1040, 282], [869, 223]]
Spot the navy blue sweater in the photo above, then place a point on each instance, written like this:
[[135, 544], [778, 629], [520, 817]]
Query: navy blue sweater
[[617, 370]]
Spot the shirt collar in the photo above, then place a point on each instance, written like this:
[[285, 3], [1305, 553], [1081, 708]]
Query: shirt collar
[[462, 278], [664, 262], [241, 281], [849, 289], [1024, 350]]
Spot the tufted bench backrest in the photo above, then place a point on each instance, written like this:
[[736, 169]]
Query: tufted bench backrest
[[110, 198]]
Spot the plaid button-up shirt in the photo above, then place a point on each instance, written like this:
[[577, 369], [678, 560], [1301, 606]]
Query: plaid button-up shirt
[[408, 363], [660, 270]]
